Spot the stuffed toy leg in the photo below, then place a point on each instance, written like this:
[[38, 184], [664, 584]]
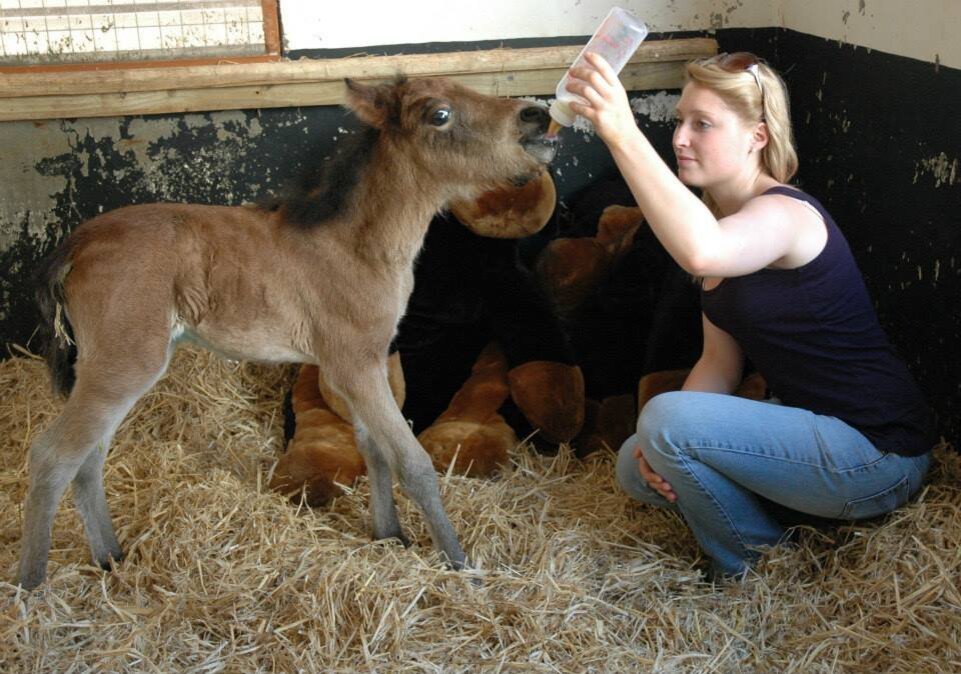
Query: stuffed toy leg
[[470, 434], [322, 454]]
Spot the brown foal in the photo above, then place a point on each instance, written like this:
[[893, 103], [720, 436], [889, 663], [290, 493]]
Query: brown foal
[[321, 277]]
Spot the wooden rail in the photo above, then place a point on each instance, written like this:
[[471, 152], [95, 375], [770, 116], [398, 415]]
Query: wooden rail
[[228, 86]]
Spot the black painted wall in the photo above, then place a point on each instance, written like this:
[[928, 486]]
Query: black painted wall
[[879, 144], [876, 135]]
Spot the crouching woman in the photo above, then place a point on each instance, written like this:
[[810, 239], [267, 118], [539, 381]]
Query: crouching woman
[[780, 287]]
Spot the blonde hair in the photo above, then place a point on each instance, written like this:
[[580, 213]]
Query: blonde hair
[[768, 103]]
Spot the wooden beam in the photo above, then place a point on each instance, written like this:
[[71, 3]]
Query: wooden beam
[[270, 10], [140, 91], [38, 71]]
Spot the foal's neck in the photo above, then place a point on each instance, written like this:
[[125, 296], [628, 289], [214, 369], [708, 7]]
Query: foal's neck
[[392, 208]]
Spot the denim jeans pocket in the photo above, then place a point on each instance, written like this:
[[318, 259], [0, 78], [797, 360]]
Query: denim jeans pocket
[[878, 504]]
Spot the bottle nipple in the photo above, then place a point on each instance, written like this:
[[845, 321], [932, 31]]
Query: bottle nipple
[[561, 115]]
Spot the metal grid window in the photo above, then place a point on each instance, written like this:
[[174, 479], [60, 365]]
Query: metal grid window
[[88, 31]]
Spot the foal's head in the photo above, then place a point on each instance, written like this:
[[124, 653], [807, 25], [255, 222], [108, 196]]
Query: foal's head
[[463, 140]]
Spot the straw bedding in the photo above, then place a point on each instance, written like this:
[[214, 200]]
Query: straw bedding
[[223, 575]]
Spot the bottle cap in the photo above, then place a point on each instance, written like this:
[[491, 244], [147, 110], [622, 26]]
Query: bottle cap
[[562, 113]]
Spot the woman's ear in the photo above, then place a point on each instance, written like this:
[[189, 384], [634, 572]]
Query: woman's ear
[[760, 137]]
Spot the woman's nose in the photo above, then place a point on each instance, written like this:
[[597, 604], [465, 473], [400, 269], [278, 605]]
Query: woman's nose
[[680, 137]]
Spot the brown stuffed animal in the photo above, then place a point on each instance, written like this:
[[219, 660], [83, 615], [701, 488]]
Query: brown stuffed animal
[[571, 269], [470, 433]]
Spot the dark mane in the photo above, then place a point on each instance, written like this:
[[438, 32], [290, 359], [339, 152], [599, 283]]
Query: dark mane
[[322, 189]]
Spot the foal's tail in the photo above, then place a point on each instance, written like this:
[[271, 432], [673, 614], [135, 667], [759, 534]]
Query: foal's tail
[[55, 331]]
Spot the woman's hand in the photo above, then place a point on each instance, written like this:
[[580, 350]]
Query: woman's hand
[[654, 481], [607, 106]]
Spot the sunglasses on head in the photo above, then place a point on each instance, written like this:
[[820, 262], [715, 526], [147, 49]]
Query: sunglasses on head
[[738, 62]]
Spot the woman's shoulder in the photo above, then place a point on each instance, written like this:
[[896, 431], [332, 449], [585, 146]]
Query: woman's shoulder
[[805, 218], [783, 192], [788, 200], [784, 205]]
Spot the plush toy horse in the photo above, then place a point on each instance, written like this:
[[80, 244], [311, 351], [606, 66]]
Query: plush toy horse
[[479, 342]]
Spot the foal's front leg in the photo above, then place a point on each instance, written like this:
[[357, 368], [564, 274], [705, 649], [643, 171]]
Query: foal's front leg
[[382, 506], [373, 406]]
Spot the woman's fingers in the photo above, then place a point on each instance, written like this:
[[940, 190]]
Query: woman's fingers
[[654, 481], [591, 87], [602, 99], [589, 77], [602, 67]]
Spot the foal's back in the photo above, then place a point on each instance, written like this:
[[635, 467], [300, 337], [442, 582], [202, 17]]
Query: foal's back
[[223, 276]]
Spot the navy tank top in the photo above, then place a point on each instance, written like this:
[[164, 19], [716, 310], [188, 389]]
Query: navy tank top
[[814, 336]]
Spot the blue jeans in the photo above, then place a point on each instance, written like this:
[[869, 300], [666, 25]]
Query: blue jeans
[[720, 452]]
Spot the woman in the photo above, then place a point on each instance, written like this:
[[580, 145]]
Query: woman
[[780, 287]]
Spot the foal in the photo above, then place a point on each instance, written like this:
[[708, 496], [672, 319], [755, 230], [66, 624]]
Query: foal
[[322, 277]]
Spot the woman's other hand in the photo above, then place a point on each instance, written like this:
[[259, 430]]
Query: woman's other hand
[[654, 481]]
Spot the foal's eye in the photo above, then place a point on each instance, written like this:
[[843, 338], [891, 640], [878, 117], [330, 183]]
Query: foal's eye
[[440, 116]]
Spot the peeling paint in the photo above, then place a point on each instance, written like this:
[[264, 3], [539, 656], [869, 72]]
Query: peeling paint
[[22, 144], [943, 170], [658, 108]]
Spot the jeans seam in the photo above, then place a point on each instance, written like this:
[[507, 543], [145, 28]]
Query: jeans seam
[[823, 446], [746, 551], [707, 446], [903, 480]]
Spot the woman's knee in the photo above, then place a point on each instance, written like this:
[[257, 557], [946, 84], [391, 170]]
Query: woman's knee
[[661, 413]]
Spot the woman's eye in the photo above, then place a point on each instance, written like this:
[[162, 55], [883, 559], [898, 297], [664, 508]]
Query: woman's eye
[[703, 125], [440, 116]]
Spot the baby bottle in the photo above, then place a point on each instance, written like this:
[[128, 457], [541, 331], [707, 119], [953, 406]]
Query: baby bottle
[[616, 39]]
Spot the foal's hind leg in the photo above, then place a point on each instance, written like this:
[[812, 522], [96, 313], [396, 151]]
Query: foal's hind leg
[[73, 449], [372, 404], [91, 502]]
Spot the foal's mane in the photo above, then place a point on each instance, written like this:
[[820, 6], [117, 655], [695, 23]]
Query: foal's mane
[[324, 185]]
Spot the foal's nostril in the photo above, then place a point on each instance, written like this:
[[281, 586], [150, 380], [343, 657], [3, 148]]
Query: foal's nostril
[[535, 114]]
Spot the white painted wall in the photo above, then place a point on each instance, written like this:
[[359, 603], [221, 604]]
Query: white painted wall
[[928, 30], [308, 24]]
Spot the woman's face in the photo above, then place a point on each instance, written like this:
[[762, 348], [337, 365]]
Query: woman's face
[[712, 145]]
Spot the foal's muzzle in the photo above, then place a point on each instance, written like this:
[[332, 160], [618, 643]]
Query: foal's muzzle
[[534, 121]]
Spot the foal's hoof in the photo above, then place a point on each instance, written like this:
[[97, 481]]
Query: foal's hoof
[[112, 561], [31, 581], [457, 564], [396, 536]]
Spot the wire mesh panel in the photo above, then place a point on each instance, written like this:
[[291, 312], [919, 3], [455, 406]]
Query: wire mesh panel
[[71, 31]]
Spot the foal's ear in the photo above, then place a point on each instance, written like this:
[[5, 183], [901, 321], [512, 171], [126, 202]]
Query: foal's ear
[[373, 105]]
